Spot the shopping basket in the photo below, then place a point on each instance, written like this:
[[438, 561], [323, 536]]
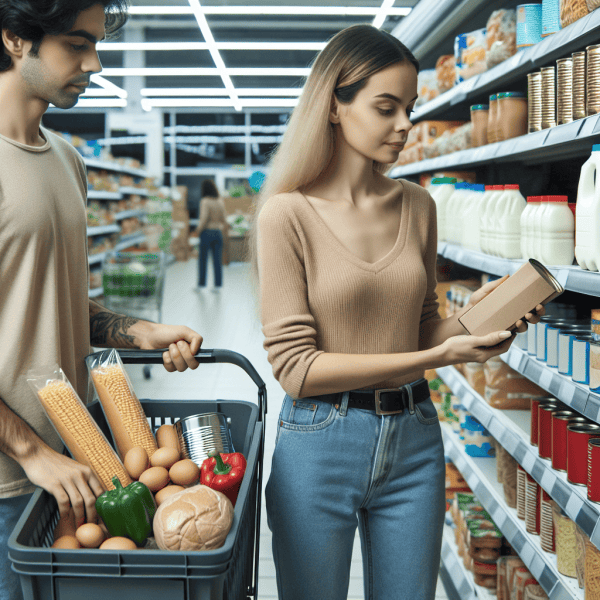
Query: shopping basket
[[228, 573]]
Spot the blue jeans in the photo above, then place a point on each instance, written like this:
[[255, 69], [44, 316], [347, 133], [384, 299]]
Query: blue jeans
[[211, 239], [335, 469], [11, 510]]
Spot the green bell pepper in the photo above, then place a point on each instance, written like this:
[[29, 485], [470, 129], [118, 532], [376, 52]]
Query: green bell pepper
[[127, 511]]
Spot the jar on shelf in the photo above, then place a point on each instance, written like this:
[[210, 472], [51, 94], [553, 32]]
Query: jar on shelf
[[479, 118], [511, 115]]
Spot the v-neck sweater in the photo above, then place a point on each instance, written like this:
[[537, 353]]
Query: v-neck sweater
[[317, 296]]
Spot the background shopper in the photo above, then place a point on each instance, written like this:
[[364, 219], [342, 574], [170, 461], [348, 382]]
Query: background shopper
[[47, 55], [212, 229], [346, 260]]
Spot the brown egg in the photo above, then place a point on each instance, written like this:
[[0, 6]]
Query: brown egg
[[163, 494], [66, 542], [166, 436], [184, 472], [118, 543], [136, 462], [155, 478], [164, 457], [89, 535]]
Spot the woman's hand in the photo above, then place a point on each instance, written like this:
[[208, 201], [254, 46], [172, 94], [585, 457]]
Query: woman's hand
[[471, 348]]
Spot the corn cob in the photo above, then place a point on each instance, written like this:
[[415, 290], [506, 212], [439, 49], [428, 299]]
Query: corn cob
[[81, 434], [123, 410]]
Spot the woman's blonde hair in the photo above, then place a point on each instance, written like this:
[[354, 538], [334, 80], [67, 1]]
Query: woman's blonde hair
[[341, 68]]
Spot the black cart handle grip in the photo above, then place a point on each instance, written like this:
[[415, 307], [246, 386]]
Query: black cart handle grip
[[145, 357]]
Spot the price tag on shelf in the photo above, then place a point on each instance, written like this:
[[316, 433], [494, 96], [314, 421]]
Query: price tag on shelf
[[514, 359], [527, 554], [509, 441], [548, 479], [567, 391], [528, 461], [537, 566], [545, 379], [573, 506], [467, 400]]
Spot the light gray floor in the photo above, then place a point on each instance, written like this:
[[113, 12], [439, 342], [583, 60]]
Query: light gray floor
[[226, 319]]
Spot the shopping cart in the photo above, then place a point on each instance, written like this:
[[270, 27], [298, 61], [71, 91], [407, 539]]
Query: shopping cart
[[229, 573], [133, 284]]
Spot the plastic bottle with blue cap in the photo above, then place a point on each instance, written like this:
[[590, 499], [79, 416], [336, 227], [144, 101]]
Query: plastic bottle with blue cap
[[441, 190], [587, 214]]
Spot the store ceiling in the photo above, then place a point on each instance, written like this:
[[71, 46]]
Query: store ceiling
[[238, 60]]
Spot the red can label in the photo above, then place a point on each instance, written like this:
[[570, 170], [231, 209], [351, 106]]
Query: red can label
[[593, 470], [578, 437]]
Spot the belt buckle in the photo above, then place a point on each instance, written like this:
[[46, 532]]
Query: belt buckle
[[378, 402]]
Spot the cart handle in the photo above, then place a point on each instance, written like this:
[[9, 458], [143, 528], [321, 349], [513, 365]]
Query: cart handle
[[143, 357]]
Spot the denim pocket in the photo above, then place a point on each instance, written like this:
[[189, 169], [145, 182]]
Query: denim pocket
[[426, 412], [307, 414]]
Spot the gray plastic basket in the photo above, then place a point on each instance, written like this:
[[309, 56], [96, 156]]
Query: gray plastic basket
[[230, 572]]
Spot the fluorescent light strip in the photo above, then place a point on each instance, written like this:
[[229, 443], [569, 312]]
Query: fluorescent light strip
[[383, 13], [201, 72], [148, 104], [108, 86], [124, 46], [101, 103], [214, 52], [269, 10], [264, 92]]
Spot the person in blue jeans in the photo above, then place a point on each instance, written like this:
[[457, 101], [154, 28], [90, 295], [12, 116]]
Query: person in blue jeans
[[212, 226], [344, 260]]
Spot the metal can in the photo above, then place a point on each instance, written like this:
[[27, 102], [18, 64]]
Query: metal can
[[542, 332], [521, 341], [566, 337], [578, 437], [592, 102], [534, 104], [579, 75], [532, 505], [552, 332], [545, 411], [521, 491], [546, 523], [529, 25], [550, 17], [564, 90], [548, 97], [581, 359], [560, 420], [593, 471], [595, 367], [535, 403], [532, 341], [596, 324]]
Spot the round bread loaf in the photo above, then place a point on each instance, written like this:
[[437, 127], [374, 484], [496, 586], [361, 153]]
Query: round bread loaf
[[199, 518]]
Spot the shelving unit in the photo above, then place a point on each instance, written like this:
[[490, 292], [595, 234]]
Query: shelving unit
[[480, 474], [113, 167]]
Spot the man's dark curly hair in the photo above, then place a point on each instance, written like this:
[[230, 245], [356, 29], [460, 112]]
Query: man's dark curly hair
[[31, 20]]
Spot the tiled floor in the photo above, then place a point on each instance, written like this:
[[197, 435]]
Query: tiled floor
[[227, 319]]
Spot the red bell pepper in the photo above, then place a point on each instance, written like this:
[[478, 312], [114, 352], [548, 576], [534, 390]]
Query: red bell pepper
[[224, 473]]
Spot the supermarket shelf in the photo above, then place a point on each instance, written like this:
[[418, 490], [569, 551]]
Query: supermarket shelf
[[103, 229], [96, 258], [558, 143], [114, 167], [480, 474], [571, 39], [130, 240], [95, 292], [576, 395], [101, 195], [134, 190], [127, 214], [572, 278], [511, 429]]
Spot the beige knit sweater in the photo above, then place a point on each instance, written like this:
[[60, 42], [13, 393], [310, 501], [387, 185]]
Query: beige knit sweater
[[316, 296]]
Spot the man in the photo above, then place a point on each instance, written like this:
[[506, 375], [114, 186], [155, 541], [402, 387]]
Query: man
[[47, 55]]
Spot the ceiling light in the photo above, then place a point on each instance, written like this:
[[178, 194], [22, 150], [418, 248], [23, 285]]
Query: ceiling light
[[149, 103], [200, 72], [265, 92], [214, 52], [382, 13], [108, 86], [101, 103], [269, 10], [166, 46]]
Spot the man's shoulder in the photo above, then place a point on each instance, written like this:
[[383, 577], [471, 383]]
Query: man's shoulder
[[63, 147]]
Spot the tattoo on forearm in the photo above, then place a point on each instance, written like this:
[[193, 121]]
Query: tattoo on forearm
[[110, 329]]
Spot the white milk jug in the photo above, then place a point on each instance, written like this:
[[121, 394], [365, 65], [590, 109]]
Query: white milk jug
[[525, 221], [511, 207], [487, 220], [557, 243], [535, 242], [587, 215], [451, 208], [441, 190], [470, 217]]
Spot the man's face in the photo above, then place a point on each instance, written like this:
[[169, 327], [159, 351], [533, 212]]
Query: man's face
[[61, 71]]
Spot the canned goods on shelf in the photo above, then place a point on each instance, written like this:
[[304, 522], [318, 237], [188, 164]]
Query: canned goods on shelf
[[521, 491], [548, 97], [595, 366], [579, 75], [560, 421], [592, 103], [532, 505], [535, 403], [534, 106], [593, 470], [545, 410], [581, 359], [564, 90], [529, 25], [578, 436], [546, 523]]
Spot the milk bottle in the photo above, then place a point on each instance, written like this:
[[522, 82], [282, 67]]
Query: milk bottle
[[451, 207], [489, 190], [487, 218], [511, 207], [587, 214], [557, 245], [526, 226], [536, 228], [463, 208], [441, 190], [470, 217]]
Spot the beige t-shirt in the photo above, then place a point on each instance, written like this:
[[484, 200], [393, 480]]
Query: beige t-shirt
[[212, 214], [317, 296], [44, 280]]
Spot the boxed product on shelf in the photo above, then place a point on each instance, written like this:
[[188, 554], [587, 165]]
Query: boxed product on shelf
[[95, 279], [572, 10], [501, 36], [99, 215], [451, 140], [470, 54], [475, 437], [445, 69], [102, 181], [427, 86]]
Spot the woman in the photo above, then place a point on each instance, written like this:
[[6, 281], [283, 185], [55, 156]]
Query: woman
[[346, 261], [212, 226]]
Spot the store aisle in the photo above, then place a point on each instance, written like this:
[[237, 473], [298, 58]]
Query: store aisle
[[226, 319]]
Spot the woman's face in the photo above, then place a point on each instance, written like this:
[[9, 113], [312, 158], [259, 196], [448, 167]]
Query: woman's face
[[376, 123]]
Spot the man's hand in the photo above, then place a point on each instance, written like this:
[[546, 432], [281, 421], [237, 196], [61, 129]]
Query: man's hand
[[183, 344], [71, 483]]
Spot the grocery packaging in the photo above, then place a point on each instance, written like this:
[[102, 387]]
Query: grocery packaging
[[121, 406], [512, 115], [550, 17], [566, 542], [470, 54], [557, 231], [587, 250], [445, 69], [479, 118], [529, 25], [199, 518], [75, 426], [571, 11], [501, 37], [427, 86]]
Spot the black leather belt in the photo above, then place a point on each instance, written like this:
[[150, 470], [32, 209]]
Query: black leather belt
[[385, 401]]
